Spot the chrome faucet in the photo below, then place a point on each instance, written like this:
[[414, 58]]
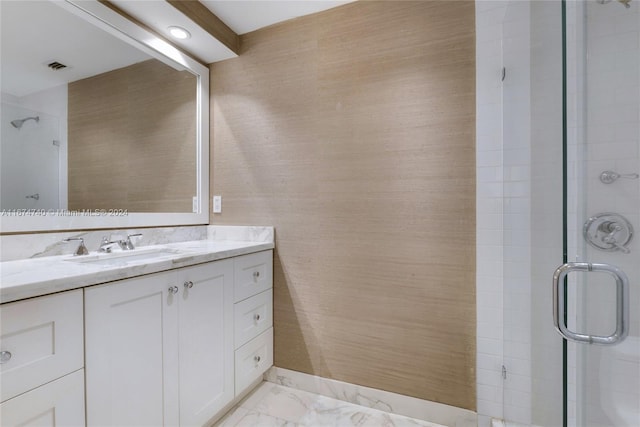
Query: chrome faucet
[[125, 245], [106, 245]]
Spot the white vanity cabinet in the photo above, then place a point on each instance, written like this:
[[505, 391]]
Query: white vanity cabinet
[[41, 360], [173, 348], [159, 348], [253, 318]]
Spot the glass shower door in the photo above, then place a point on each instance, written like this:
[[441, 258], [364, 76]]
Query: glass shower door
[[603, 211], [571, 194]]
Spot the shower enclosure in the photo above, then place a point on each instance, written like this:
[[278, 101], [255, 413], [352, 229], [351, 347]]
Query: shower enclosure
[[571, 201], [30, 168]]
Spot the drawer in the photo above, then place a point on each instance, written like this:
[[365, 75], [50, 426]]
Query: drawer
[[44, 338], [253, 274], [253, 359], [59, 403], [252, 317]]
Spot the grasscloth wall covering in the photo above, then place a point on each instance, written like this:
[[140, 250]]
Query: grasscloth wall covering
[[132, 140], [352, 132]]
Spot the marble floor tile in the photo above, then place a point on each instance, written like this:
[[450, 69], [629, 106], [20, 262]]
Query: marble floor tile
[[384, 401], [254, 418], [240, 417], [276, 405]]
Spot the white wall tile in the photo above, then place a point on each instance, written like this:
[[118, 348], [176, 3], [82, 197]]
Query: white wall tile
[[489, 158]]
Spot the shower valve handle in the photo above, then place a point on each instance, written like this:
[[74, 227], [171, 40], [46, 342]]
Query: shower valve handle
[[612, 228], [608, 231], [610, 238]]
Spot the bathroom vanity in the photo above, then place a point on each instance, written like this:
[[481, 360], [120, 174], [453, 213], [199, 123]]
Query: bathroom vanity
[[169, 335]]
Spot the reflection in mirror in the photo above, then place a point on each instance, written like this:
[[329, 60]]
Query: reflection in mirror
[[89, 121], [135, 149], [30, 157]]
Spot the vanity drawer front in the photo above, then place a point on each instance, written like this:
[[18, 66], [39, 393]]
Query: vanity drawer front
[[41, 340], [253, 274], [58, 403], [252, 317], [253, 359]]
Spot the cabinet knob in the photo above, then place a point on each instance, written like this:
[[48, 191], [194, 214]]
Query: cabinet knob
[[256, 359], [256, 275], [173, 290], [5, 356], [188, 284], [256, 317]]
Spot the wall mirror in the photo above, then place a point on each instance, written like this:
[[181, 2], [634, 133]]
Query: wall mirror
[[103, 124]]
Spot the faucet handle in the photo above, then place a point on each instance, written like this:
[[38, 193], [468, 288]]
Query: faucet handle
[[128, 243], [82, 249]]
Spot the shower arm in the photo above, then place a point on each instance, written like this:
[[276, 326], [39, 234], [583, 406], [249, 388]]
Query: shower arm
[[18, 123]]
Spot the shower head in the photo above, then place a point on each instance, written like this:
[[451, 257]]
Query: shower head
[[18, 123]]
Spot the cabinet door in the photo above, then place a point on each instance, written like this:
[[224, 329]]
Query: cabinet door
[[131, 352], [59, 403], [206, 341]]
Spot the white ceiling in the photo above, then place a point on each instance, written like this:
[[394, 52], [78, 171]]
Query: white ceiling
[[242, 16], [159, 15], [34, 33]]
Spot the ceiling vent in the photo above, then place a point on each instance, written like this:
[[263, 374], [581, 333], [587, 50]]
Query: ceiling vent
[[55, 65]]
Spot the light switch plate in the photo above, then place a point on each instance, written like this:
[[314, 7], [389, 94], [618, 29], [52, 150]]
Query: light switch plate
[[217, 204]]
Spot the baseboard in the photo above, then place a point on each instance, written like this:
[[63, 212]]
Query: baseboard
[[394, 403]]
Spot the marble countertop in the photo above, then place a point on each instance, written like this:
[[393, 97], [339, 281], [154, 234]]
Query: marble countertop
[[33, 277]]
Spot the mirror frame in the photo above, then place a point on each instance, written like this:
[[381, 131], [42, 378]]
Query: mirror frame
[[37, 220]]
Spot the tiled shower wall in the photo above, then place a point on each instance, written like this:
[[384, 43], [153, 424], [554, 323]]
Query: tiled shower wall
[[612, 123], [489, 208], [518, 142], [518, 152], [516, 130]]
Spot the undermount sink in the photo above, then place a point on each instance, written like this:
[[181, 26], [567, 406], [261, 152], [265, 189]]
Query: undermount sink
[[125, 257]]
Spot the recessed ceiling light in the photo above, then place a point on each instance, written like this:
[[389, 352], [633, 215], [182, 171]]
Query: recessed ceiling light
[[179, 33]]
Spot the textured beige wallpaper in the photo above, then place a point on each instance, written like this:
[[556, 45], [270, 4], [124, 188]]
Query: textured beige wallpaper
[[353, 133], [132, 140]]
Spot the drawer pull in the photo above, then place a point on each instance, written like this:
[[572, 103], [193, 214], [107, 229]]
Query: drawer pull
[[173, 290], [256, 317], [188, 285], [5, 356], [256, 359], [256, 275]]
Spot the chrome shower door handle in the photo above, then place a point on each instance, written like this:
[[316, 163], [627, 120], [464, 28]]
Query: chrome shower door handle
[[622, 303]]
